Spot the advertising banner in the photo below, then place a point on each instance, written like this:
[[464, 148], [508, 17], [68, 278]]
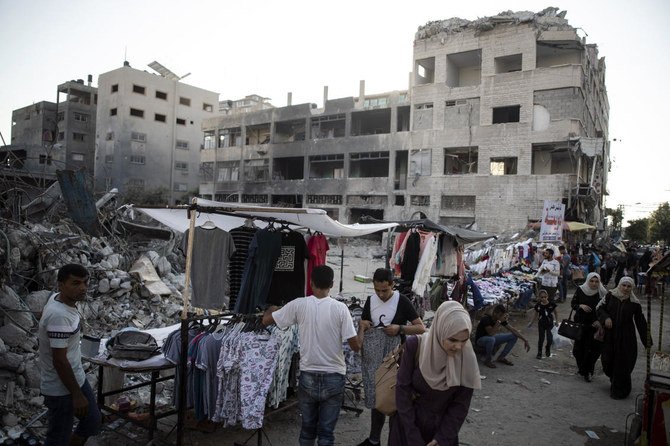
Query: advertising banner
[[551, 228]]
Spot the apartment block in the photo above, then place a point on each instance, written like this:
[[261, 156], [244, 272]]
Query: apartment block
[[501, 114], [49, 136], [149, 133]]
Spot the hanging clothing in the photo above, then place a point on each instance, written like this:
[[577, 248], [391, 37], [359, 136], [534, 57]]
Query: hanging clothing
[[242, 236], [210, 259], [264, 250], [288, 277], [317, 247], [426, 262], [398, 252], [410, 259]]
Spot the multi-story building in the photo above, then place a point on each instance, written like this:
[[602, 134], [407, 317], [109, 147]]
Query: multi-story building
[[51, 136], [502, 113], [149, 132]]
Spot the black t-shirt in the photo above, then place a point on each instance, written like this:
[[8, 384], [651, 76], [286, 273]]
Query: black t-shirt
[[545, 313], [486, 321], [404, 313], [288, 278]]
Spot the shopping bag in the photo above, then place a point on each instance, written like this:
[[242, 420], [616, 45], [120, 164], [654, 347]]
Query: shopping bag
[[386, 378], [558, 340], [571, 329]]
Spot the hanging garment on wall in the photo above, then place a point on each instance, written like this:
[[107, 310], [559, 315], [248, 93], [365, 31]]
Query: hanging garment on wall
[[317, 247], [426, 262], [410, 259], [242, 237], [210, 258], [264, 251], [288, 278]]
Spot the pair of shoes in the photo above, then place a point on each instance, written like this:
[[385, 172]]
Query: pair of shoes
[[505, 361], [539, 355], [588, 377], [367, 442], [489, 364]]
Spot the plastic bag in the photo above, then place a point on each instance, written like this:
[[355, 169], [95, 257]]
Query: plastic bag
[[560, 341]]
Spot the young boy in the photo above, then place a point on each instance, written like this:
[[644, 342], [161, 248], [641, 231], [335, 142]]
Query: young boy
[[545, 310]]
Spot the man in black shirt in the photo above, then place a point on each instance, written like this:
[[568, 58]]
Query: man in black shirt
[[488, 338]]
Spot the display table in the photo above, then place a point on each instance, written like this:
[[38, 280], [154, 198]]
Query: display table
[[153, 366]]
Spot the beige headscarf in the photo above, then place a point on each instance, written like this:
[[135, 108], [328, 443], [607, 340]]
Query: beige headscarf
[[619, 294], [586, 289], [440, 370]]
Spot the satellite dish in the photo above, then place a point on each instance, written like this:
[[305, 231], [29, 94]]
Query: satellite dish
[[164, 71]]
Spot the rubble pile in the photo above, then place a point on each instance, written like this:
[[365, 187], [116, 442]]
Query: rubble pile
[[549, 18], [119, 297]]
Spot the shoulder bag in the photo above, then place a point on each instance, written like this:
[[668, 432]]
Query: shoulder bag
[[571, 329], [386, 378]]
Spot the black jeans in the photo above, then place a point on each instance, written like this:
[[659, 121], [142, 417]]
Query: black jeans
[[544, 330]]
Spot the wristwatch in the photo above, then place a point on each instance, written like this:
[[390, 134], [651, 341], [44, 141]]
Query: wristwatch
[[401, 330]]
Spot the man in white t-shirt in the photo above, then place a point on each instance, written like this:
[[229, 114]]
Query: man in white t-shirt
[[548, 273], [324, 325], [67, 393]]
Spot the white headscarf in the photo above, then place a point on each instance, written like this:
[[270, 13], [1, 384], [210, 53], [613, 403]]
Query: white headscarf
[[440, 370], [586, 289], [619, 294]]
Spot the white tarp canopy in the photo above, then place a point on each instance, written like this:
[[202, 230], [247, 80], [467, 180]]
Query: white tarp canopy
[[314, 219]]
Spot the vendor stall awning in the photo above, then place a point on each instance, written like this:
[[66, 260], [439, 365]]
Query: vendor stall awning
[[314, 219], [572, 226], [462, 235]]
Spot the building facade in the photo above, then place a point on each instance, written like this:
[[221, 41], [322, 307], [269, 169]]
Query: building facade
[[502, 113], [149, 133], [50, 136]]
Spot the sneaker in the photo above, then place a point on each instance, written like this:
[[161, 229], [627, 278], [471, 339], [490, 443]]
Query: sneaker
[[489, 364], [539, 356]]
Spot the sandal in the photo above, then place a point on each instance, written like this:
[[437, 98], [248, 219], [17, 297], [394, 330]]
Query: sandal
[[489, 364], [505, 361]]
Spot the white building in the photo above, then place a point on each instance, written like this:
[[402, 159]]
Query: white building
[[149, 132]]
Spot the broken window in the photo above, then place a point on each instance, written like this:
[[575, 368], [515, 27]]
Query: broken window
[[137, 159], [81, 117], [551, 54], [181, 165], [181, 144], [375, 102], [44, 159], [158, 117], [254, 198], [375, 200], [161, 95], [184, 101], [290, 168], [502, 115], [399, 200], [401, 164], [230, 137], [227, 198], [210, 140], [368, 164], [403, 118], [207, 107], [328, 126], [464, 69], [135, 112], [137, 136], [206, 171], [138, 89], [507, 64], [420, 162], [423, 116], [287, 201], [326, 166], [460, 160], [503, 166], [371, 122], [258, 134], [78, 137], [228, 171], [551, 159], [425, 71], [420, 200], [324, 199], [256, 170], [289, 131]]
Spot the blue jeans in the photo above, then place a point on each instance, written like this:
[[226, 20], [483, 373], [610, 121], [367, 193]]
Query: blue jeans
[[320, 397], [61, 418], [489, 343]]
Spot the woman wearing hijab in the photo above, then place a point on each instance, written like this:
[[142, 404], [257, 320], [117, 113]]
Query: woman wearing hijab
[[437, 375], [620, 313], [587, 349]]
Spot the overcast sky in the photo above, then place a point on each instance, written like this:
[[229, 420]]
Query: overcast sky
[[271, 48]]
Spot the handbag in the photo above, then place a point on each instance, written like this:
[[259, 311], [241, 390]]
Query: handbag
[[386, 377], [571, 329]]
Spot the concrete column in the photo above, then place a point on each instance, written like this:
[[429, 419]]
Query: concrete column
[[325, 95], [289, 99], [361, 91]]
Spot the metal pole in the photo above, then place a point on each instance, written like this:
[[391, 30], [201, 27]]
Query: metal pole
[[341, 268]]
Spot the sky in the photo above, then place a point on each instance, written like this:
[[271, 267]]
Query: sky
[[270, 48]]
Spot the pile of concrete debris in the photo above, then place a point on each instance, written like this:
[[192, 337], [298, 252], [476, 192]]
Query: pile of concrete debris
[[130, 286]]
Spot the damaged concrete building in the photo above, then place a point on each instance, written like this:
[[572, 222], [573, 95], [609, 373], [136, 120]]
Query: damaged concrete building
[[49, 136], [149, 132], [501, 113]]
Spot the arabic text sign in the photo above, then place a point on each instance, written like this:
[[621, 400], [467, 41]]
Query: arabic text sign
[[551, 228]]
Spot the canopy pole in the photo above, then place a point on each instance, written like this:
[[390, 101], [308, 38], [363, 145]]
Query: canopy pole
[[189, 252], [341, 268]]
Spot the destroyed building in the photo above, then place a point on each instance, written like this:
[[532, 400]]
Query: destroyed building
[[149, 132], [501, 113]]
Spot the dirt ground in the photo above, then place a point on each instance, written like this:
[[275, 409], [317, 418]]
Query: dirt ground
[[534, 402]]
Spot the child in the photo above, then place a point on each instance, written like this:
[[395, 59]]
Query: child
[[545, 311]]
